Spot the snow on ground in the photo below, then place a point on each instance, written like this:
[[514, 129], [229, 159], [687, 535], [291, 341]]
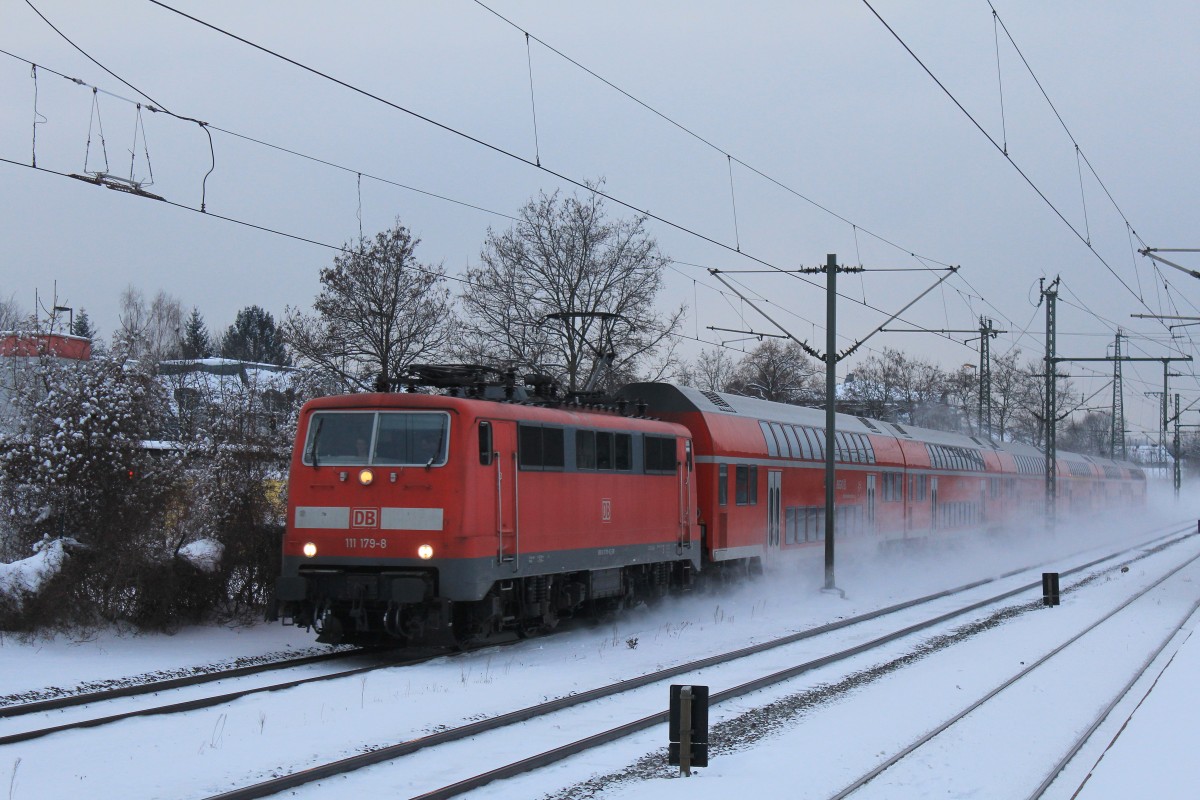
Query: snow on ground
[[61, 664], [1154, 754], [206, 752]]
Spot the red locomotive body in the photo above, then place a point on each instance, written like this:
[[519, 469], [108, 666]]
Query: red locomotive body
[[413, 516], [410, 514]]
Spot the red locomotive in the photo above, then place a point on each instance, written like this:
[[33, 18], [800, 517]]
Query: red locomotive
[[414, 517]]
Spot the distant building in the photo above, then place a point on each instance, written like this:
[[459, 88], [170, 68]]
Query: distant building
[[19, 349], [18, 345], [200, 387]]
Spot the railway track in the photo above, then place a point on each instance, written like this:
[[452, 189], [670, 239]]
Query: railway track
[[67, 700], [876, 632], [1071, 657], [53, 708]]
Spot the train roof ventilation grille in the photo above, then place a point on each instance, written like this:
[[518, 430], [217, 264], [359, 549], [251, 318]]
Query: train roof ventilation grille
[[869, 424], [901, 430], [719, 402]]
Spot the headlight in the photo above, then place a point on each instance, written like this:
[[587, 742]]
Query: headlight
[[425, 551], [310, 549], [365, 477]]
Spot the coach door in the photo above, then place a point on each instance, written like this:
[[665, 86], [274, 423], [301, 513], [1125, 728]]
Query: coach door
[[933, 505], [686, 470], [498, 447], [870, 502], [774, 501]]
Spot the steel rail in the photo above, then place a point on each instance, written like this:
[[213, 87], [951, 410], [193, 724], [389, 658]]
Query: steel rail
[[83, 698], [204, 702]]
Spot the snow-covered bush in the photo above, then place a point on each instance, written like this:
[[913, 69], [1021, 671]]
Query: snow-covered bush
[[238, 427], [74, 462], [176, 508]]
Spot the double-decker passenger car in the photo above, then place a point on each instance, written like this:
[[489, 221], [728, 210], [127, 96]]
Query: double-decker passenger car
[[761, 480]]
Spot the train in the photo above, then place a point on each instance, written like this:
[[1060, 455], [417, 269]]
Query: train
[[463, 508]]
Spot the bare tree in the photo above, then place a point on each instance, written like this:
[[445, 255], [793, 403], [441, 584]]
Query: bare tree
[[872, 388], [961, 390], [566, 291], [378, 311], [777, 371], [1029, 420], [898, 387], [1008, 388], [11, 316], [1090, 435], [713, 371], [153, 332]]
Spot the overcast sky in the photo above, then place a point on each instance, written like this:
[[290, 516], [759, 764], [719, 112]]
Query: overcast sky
[[860, 153]]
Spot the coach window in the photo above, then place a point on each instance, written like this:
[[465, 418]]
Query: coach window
[[841, 452], [604, 450], [819, 438], [794, 442], [585, 449], [722, 484], [806, 444], [769, 437], [781, 437], [893, 487], [747, 485], [485, 443]]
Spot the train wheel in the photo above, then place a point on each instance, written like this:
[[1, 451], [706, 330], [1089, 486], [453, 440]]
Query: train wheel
[[527, 629]]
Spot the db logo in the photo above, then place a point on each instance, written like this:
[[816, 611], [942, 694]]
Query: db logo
[[606, 510], [364, 518]]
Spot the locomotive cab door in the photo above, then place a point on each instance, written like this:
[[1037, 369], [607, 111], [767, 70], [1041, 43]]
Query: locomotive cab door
[[498, 452]]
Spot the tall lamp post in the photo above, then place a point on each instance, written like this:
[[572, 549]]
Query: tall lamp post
[[71, 324]]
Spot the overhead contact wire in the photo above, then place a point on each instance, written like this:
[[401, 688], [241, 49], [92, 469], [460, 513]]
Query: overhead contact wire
[[698, 137], [1000, 148], [209, 126], [67, 39], [487, 145]]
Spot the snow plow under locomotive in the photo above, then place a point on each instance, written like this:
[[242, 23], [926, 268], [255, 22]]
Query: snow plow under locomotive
[[451, 517]]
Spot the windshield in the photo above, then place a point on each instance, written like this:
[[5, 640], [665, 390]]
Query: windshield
[[383, 438]]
